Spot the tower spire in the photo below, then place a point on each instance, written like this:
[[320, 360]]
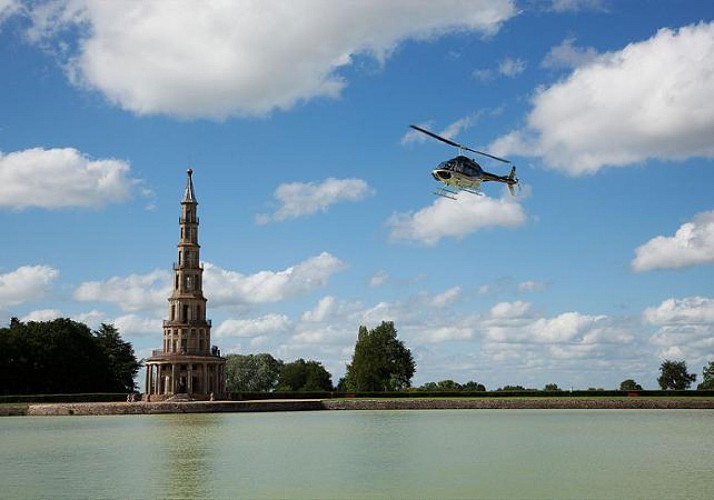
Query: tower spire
[[189, 196]]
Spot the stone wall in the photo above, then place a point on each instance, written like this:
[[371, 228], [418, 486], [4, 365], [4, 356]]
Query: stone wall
[[147, 408]]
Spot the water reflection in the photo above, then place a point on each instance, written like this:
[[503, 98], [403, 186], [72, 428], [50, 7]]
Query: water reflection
[[185, 453]]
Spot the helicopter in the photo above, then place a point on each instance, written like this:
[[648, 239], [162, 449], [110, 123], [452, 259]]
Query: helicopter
[[464, 174]]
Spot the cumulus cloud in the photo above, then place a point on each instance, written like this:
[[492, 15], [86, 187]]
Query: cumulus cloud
[[255, 327], [42, 315], [219, 59], [233, 288], [568, 55], [150, 291], [135, 292], [508, 67], [8, 8], [134, 325], [530, 286], [61, 178], [576, 5], [298, 199], [652, 99], [455, 218], [685, 328], [379, 278], [691, 245], [26, 283]]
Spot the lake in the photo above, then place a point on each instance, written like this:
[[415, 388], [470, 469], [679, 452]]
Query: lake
[[362, 454]]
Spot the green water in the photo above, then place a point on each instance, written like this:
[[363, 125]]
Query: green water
[[362, 454]]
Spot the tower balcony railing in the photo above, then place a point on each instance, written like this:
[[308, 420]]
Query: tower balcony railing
[[189, 323], [160, 353]]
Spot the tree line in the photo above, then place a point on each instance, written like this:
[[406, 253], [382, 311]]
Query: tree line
[[64, 357], [381, 363]]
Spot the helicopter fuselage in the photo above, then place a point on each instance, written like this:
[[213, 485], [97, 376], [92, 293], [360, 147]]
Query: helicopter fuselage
[[463, 172]]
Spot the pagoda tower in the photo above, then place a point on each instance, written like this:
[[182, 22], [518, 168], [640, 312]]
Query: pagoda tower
[[188, 366]]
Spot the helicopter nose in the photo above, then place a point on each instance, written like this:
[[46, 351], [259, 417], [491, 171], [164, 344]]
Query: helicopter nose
[[441, 175]]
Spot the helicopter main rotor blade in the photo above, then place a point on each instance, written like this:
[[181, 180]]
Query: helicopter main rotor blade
[[456, 144]]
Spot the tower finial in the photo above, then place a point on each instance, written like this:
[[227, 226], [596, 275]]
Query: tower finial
[[189, 195]]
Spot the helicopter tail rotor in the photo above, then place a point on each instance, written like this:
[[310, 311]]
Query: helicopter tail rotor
[[512, 181]]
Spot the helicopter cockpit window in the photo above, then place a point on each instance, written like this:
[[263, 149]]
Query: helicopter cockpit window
[[445, 165], [470, 170]]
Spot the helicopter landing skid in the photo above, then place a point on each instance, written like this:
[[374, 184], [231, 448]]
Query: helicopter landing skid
[[451, 194]]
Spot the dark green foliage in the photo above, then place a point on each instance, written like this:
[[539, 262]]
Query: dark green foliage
[[451, 386], [551, 387], [514, 388], [630, 385], [674, 375], [64, 356], [121, 361], [380, 361], [473, 386], [304, 376], [252, 372], [707, 378]]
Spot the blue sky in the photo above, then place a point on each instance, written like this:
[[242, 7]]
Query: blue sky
[[315, 197]]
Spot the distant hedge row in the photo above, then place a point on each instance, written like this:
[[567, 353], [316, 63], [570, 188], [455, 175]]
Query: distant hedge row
[[110, 397], [243, 396]]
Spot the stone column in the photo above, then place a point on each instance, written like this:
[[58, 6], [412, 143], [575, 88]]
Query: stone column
[[173, 378], [190, 378]]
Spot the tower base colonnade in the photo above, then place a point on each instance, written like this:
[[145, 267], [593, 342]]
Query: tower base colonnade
[[195, 377]]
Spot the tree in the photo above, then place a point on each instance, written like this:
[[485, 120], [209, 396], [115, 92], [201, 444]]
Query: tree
[[707, 378], [121, 361], [252, 372], [630, 385], [674, 375], [304, 376], [551, 388], [473, 386], [64, 356], [380, 362]]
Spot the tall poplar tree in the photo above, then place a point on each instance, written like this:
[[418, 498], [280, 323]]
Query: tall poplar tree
[[380, 362]]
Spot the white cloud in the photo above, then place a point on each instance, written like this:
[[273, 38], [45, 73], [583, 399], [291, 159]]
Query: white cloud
[[691, 245], [136, 292], [8, 8], [651, 99], [133, 325], [511, 67], [576, 5], [256, 327], [26, 283], [508, 67], [455, 218], [379, 278], [150, 291], [60, 178], [530, 286], [232, 288], [568, 55], [42, 315], [446, 298], [300, 199], [321, 312], [685, 328], [219, 59]]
